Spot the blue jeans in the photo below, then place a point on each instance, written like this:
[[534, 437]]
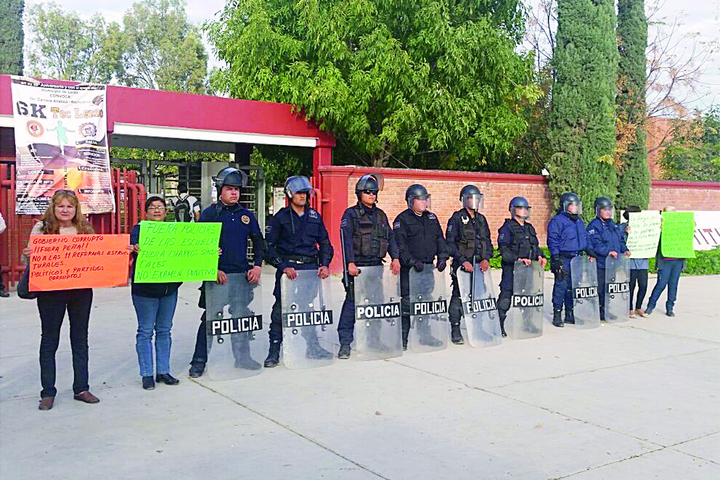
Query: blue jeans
[[154, 314], [667, 277]]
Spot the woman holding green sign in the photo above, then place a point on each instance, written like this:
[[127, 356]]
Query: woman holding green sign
[[669, 270], [155, 307]]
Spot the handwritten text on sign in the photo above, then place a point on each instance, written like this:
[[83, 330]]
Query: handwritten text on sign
[[678, 230], [177, 252], [644, 234], [62, 262]]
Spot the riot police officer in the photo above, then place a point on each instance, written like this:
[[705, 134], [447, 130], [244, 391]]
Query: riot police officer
[[517, 240], [468, 241], [420, 239], [296, 240], [567, 238], [605, 238], [367, 239], [238, 225]]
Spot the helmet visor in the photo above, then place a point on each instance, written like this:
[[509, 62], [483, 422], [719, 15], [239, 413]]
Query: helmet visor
[[473, 201], [521, 212], [573, 207], [297, 185]]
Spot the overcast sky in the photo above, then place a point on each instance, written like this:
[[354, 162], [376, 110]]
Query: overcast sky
[[701, 16]]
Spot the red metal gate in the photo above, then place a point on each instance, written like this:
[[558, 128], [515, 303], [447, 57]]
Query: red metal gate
[[129, 201]]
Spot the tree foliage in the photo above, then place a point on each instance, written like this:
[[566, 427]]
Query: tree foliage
[[428, 84], [631, 159], [11, 36], [694, 151], [156, 47], [582, 131]]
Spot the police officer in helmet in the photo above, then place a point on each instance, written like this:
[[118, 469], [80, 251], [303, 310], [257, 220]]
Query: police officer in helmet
[[468, 240], [567, 239], [296, 240], [517, 240], [367, 238], [238, 225], [420, 240], [605, 238]]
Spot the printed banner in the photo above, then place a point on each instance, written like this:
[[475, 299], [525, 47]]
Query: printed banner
[[63, 262], [678, 231], [707, 230], [644, 234], [61, 144], [177, 252]]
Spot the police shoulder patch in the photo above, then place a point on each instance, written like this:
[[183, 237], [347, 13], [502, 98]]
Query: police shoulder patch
[[245, 219], [396, 224], [449, 227], [313, 213], [343, 223], [591, 231], [431, 216]]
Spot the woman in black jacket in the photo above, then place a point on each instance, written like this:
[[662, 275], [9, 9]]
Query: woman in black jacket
[[155, 307]]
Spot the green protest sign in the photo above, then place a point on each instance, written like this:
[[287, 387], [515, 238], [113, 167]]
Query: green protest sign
[[678, 230], [177, 252]]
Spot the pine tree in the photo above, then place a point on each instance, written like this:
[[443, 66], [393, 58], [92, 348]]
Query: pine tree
[[11, 36], [632, 31], [582, 133]]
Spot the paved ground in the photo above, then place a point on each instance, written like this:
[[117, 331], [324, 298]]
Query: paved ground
[[637, 400]]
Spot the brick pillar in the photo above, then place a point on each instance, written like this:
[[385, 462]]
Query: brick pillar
[[334, 201]]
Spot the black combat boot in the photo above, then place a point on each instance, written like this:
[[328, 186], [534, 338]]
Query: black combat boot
[[569, 317], [557, 317], [273, 357], [344, 352], [455, 334], [197, 369]]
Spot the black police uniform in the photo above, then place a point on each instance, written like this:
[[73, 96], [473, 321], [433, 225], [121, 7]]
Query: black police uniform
[[297, 241], [238, 225], [419, 239], [368, 239], [467, 237], [515, 241]]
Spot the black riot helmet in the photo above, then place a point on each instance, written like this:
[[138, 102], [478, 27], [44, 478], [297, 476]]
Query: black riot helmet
[[416, 191], [568, 199], [230, 176], [370, 182], [603, 203], [519, 202], [297, 184], [471, 197]]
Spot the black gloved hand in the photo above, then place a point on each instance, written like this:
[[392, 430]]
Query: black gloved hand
[[419, 266], [556, 267], [441, 264]]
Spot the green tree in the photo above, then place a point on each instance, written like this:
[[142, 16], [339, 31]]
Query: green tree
[[161, 49], [434, 83], [634, 174], [582, 131], [11, 36], [694, 151], [66, 47]]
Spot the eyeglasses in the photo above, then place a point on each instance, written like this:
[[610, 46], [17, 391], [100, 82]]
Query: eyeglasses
[[370, 192], [158, 208]]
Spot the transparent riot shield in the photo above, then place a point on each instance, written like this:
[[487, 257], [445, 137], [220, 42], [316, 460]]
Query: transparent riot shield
[[526, 307], [617, 289], [307, 318], [378, 327], [237, 339], [428, 310], [586, 304], [479, 304]]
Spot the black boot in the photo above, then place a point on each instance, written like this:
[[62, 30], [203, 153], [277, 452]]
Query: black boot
[[197, 369], [557, 317], [455, 334], [315, 351], [241, 352], [502, 326], [344, 352], [273, 357], [569, 317]]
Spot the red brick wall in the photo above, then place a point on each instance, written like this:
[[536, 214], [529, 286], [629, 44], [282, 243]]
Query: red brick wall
[[337, 186]]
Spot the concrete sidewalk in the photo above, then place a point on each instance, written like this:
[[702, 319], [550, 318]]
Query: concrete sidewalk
[[635, 400]]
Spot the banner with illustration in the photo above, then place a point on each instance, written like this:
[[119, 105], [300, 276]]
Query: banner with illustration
[[61, 144]]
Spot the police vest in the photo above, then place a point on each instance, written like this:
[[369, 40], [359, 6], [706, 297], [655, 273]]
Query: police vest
[[522, 243], [370, 238], [467, 238]]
